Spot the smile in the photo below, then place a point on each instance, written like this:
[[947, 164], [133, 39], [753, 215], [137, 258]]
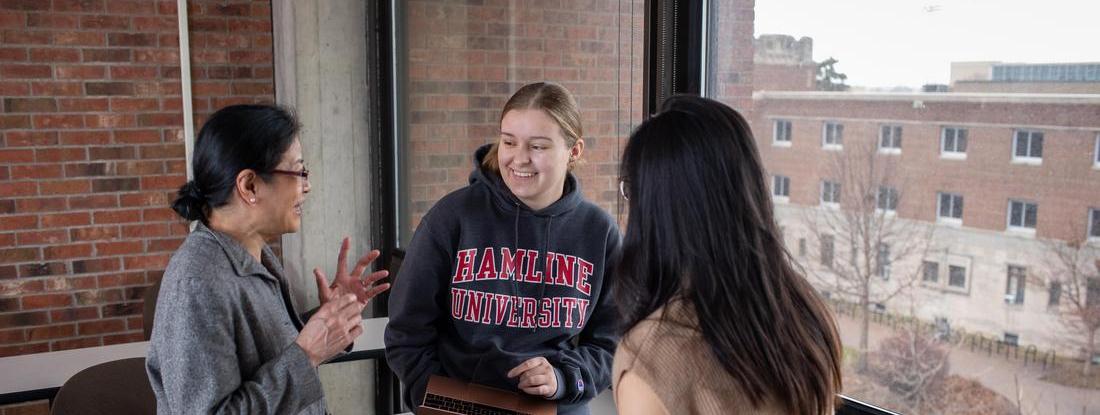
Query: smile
[[523, 175]]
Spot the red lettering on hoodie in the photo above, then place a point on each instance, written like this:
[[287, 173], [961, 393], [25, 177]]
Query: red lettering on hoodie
[[503, 308], [473, 305], [510, 264], [569, 303], [582, 280], [488, 268], [530, 275], [544, 313], [456, 303], [565, 269], [529, 306], [464, 271]]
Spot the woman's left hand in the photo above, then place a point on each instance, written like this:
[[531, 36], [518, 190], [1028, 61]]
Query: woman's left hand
[[353, 282], [536, 377]]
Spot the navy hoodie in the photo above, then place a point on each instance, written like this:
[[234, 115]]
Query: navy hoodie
[[487, 283]]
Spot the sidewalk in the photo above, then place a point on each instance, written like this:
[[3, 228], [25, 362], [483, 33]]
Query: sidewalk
[[996, 373]]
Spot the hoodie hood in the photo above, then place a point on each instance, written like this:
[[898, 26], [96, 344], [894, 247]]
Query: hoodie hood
[[503, 197]]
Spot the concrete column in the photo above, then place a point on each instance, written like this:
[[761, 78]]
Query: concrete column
[[321, 71]]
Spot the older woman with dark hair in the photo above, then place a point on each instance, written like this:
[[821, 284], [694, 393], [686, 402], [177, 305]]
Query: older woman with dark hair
[[226, 337]]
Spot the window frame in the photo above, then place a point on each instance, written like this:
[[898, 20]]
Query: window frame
[[1092, 230], [837, 135], [924, 267], [889, 209], [836, 189], [1018, 291], [893, 133], [1096, 153], [1023, 228], [954, 154], [1029, 159], [781, 132], [950, 220], [778, 179]]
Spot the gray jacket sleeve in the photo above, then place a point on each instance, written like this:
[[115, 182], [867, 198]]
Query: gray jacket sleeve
[[198, 361]]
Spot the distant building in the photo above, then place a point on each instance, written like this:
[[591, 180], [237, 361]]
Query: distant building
[[782, 63], [1030, 78]]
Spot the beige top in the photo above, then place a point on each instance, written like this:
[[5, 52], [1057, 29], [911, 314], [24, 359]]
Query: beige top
[[674, 360]]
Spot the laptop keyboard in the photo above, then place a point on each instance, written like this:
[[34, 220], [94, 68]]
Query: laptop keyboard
[[432, 400]]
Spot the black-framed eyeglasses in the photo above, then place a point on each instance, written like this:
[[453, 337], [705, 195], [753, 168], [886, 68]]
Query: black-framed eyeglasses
[[303, 174]]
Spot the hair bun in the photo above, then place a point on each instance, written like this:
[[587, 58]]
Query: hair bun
[[190, 203]]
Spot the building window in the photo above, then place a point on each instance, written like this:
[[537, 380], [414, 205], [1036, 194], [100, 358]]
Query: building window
[[889, 139], [887, 199], [1014, 286], [781, 187], [882, 261], [1096, 153], [827, 250], [953, 142], [949, 207], [830, 193], [1092, 292], [1094, 223], [1054, 294], [930, 272], [1027, 147], [956, 276], [801, 247], [1022, 215], [1011, 339], [832, 136], [781, 133]]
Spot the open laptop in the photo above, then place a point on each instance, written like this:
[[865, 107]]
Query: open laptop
[[446, 396]]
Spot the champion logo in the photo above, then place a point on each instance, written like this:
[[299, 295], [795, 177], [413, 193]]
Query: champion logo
[[580, 385]]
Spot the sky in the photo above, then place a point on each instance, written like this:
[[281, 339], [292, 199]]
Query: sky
[[886, 43]]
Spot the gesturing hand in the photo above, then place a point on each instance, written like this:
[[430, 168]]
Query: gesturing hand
[[354, 282], [332, 328], [536, 377]]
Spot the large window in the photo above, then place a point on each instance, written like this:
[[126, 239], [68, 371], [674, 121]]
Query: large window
[[889, 139], [1015, 285], [830, 193], [832, 136], [949, 208], [781, 187], [781, 133], [1094, 223], [1027, 146], [953, 142], [887, 199], [1022, 215]]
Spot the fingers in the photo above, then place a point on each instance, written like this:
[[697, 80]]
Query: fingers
[[375, 276], [541, 390], [342, 259], [364, 262], [322, 284], [375, 290], [528, 381], [528, 365]]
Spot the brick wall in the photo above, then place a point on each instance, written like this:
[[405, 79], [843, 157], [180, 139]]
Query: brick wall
[[466, 58], [1065, 186], [92, 151]]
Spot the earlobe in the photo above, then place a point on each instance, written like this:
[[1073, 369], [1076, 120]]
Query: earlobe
[[246, 186]]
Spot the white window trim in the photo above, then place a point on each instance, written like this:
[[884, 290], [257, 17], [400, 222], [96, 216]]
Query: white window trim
[[950, 154], [821, 197], [887, 150], [775, 134], [1025, 160], [946, 220], [965, 289], [1096, 154], [1020, 230], [1089, 226], [1014, 304], [825, 137], [884, 212]]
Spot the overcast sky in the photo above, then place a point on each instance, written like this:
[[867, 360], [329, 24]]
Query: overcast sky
[[881, 43]]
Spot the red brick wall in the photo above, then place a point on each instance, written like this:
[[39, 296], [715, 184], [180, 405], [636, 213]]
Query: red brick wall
[[92, 151], [465, 60], [1065, 185]]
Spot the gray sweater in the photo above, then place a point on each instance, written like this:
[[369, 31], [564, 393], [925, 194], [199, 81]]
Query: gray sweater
[[223, 335]]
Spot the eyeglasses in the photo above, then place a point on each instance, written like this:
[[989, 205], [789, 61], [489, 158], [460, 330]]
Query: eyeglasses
[[303, 174], [622, 189]]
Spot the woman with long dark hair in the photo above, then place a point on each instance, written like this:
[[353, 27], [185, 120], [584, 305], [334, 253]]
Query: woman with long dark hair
[[717, 319]]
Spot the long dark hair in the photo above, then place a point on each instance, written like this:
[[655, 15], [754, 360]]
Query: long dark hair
[[235, 138], [701, 228]]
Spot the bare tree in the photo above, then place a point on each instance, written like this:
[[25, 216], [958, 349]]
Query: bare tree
[[1073, 280], [861, 190]]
